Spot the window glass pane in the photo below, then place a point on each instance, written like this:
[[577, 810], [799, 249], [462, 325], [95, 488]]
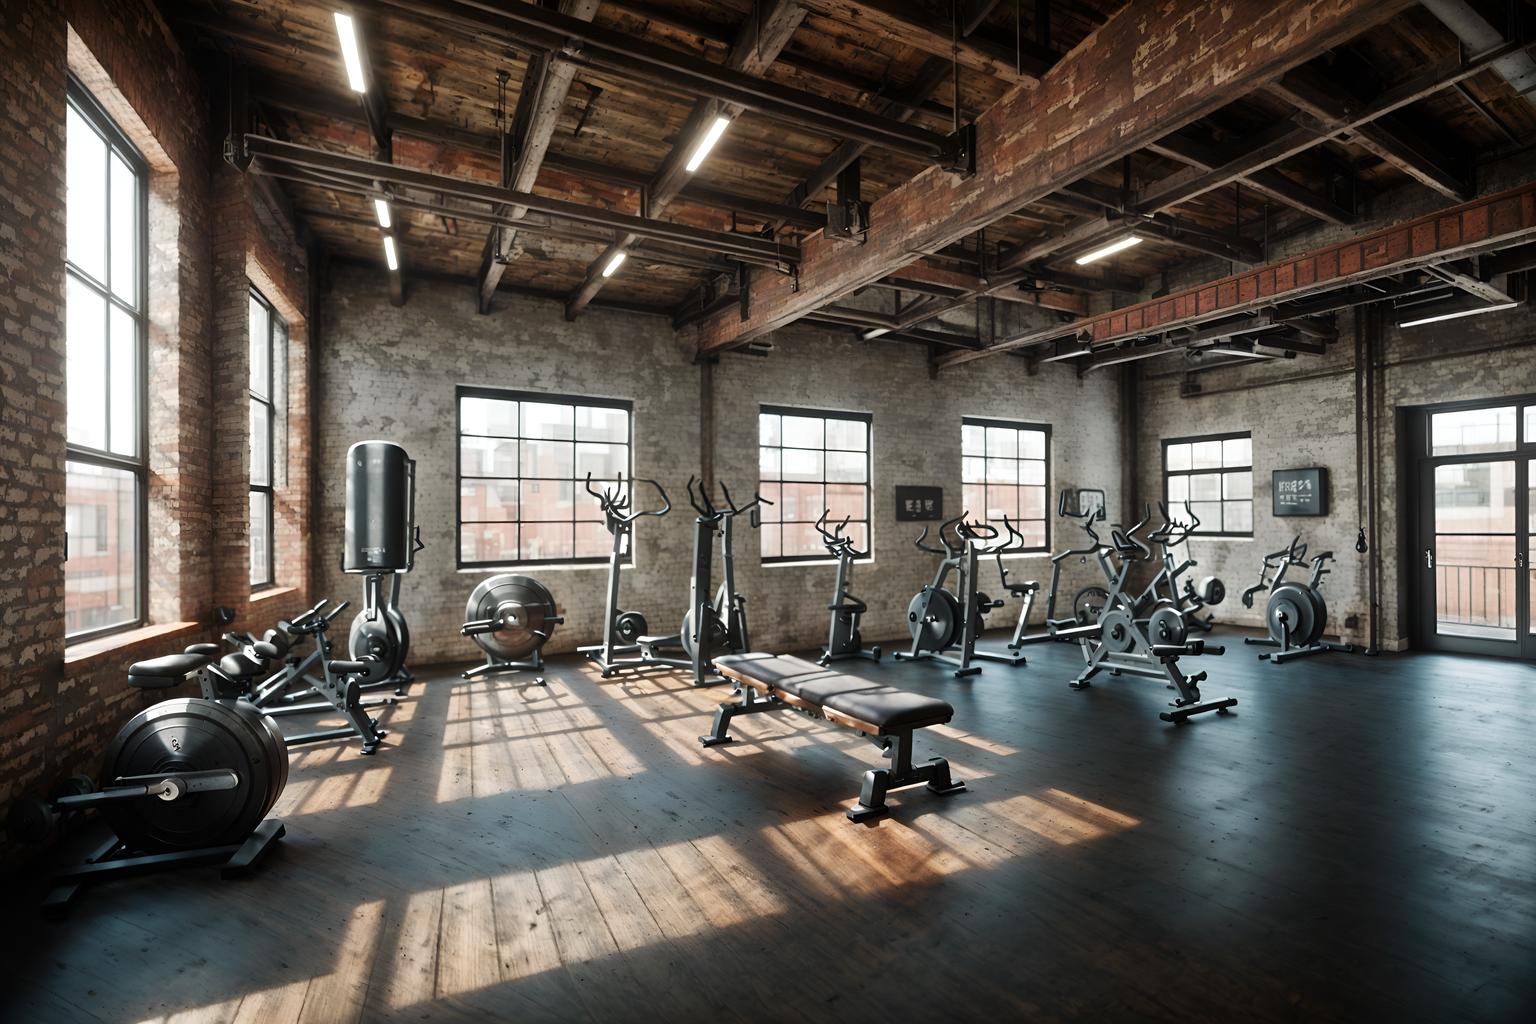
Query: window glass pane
[[488, 416], [1209, 514], [261, 445], [847, 467], [1032, 444], [487, 456], [1032, 503], [542, 419], [846, 500], [261, 350], [488, 542], [1476, 497], [1002, 443], [101, 573], [261, 540], [603, 461], [973, 498], [1207, 454], [1001, 501], [800, 502], [546, 500], [1472, 430], [545, 541], [1033, 531], [86, 365], [1031, 472], [770, 543], [1205, 487], [123, 384], [1178, 489], [488, 501], [802, 541], [1178, 456], [973, 469], [125, 232], [1237, 516], [1002, 471], [859, 534], [768, 429], [848, 435], [772, 508], [1530, 438], [1237, 485], [548, 459], [972, 440], [800, 464], [599, 423], [1237, 451], [85, 197], [592, 538], [803, 432]]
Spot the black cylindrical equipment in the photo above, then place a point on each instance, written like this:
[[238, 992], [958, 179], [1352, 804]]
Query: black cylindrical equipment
[[380, 509]]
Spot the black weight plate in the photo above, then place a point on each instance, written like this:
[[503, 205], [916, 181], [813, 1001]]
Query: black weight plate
[[630, 626], [267, 731], [377, 639], [1116, 631], [944, 609], [1089, 604], [404, 632], [1167, 626], [1295, 602], [525, 606], [717, 634], [1319, 615], [190, 734]]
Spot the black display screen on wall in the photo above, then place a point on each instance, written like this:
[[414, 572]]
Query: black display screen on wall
[[1300, 492]]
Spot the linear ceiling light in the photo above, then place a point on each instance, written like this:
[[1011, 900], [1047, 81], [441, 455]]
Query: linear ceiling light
[[381, 210], [350, 53], [614, 264], [390, 256], [1118, 245], [707, 143], [1457, 314]]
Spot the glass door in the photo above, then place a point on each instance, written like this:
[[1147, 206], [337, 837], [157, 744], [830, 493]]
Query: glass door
[[1476, 524]]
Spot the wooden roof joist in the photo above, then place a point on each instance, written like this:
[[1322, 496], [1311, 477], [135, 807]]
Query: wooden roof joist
[[366, 177], [1035, 141], [621, 54], [1363, 269]]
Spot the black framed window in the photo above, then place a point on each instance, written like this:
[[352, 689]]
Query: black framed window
[[523, 460], [107, 468], [1214, 473], [268, 349], [810, 461], [1005, 469]]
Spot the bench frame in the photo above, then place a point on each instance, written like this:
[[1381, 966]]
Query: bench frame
[[759, 695]]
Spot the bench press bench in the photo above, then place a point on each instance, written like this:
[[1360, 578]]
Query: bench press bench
[[885, 715]]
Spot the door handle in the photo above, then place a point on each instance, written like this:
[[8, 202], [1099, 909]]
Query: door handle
[[1429, 558], [1519, 562]]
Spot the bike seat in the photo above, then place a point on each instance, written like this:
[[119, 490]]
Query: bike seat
[[238, 666], [207, 650], [167, 671], [265, 651], [1023, 587], [278, 638]]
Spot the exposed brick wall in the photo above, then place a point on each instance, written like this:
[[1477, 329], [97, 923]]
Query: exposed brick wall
[[390, 372], [58, 706]]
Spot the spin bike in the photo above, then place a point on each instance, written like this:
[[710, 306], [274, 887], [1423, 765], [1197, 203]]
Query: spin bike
[[941, 620], [843, 639], [1086, 506], [1295, 613], [717, 626]]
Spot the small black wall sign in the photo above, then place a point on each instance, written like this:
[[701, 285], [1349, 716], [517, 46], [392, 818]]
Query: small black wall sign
[[919, 504], [1300, 492]]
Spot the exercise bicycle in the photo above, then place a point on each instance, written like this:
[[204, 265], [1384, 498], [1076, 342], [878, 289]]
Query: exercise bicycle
[[186, 782], [941, 620], [510, 618], [1294, 613], [718, 625], [1190, 599], [627, 643], [1125, 644], [381, 541], [843, 639], [1086, 506]]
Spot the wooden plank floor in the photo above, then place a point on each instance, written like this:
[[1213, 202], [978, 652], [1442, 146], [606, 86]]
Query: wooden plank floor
[[1357, 842]]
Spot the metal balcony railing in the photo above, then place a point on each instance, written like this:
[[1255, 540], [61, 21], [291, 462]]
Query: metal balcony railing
[[1475, 595]]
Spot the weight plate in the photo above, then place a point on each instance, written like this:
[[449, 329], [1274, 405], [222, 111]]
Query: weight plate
[[191, 734], [718, 633], [522, 604], [266, 729], [378, 639], [1116, 630], [1167, 626], [944, 612], [1212, 590], [404, 632], [1089, 604], [1319, 615], [630, 626], [1293, 601]]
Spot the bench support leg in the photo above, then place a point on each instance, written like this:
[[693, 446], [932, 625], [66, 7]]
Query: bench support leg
[[901, 773], [748, 702]]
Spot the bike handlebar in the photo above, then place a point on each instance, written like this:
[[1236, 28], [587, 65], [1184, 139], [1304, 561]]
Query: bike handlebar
[[617, 502]]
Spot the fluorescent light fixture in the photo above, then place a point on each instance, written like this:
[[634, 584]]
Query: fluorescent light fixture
[[1118, 245], [614, 264], [350, 53], [707, 143], [381, 210], [390, 256], [1457, 314]]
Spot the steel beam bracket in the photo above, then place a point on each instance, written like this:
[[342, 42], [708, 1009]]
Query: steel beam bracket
[[959, 156]]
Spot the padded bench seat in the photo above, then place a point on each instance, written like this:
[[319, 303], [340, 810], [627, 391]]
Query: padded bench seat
[[885, 714], [165, 672]]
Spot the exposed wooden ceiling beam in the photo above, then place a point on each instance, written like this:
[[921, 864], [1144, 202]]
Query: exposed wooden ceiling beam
[[1281, 290], [1034, 141], [539, 103], [915, 26], [761, 39]]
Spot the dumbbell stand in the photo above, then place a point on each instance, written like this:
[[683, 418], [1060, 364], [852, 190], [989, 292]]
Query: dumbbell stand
[[114, 860]]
